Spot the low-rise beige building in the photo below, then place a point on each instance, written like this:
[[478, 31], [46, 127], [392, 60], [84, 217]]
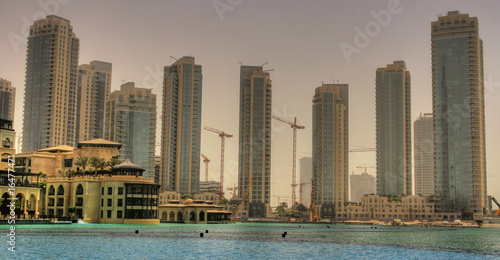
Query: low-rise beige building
[[411, 207], [123, 197], [193, 212]]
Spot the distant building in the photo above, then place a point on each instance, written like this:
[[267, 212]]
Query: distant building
[[411, 207], [209, 186], [7, 145], [50, 96], [157, 169], [330, 148], [123, 197], [181, 126], [362, 184], [94, 86], [393, 129], [255, 140], [305, 187], [131, 121], [458, 109], [7, 100], [194, 212], [424, 155]]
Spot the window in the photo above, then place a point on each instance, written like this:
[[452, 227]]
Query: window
[[120, 203], [110, 202], [119, 214], [102, 191], [110, 190], [109, 213], [120, 190], [68, 163], [102, 214]]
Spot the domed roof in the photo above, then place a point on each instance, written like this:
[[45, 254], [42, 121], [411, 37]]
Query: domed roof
[[127, 165], [188, 202]]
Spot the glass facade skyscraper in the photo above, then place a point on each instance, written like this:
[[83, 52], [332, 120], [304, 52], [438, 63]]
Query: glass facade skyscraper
[[330, 149], [94, 86], [50, 97], [458, 108], [131, 121], [424, 155], [393, 130], [181, 127], [255, 139], [7, 100]]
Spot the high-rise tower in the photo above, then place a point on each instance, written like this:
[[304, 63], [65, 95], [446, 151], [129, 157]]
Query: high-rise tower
[[255, 140], [393, 129], [181, 127], [7, 100], [331, 148], [94, 86], [424, 155], [458, 108], [50, 97], [131, 121]]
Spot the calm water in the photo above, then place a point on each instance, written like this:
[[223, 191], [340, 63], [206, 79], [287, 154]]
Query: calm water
[[250, 241]]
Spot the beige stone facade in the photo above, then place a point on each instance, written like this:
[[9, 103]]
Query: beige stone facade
[[57, 161], [193, 212], [122, 197]]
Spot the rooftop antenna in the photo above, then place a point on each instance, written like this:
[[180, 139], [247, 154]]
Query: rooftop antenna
[[123, 81], [174, 58], [263, 64]]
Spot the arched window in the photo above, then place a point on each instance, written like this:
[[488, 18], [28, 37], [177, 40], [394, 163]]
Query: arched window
[[60, 190], [79, 190], [52, 191], [164, 215], [172, 215], [179, 216], [192, 216], [202, 216]]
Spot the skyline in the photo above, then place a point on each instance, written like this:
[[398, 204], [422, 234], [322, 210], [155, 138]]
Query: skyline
[[320, 58]]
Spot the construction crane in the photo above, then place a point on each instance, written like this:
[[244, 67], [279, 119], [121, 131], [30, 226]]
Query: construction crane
[[206, 161], [362, 149], [498, 204], [294, 126], [222, 136], [243, 199], [300, 190], [364, 166]]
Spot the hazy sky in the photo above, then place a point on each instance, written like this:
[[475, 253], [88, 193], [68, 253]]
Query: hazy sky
[[302, 42]]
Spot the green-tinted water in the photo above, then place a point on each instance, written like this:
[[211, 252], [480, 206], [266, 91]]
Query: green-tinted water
[[251, 241]]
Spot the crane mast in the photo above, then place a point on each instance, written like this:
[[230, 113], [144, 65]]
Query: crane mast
[[294, 126], [222, 136]]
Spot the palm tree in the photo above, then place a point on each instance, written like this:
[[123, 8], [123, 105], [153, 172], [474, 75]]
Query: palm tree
[[97, 162], [112, 162], [82, 161]]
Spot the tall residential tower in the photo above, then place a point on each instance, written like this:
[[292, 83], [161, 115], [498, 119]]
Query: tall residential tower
[[424, 155], [393, 129], [7, 100], [458, 108], [255, 140], [131, 121], [181, 127], [94, 86], [331, 149], [50, 97]]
